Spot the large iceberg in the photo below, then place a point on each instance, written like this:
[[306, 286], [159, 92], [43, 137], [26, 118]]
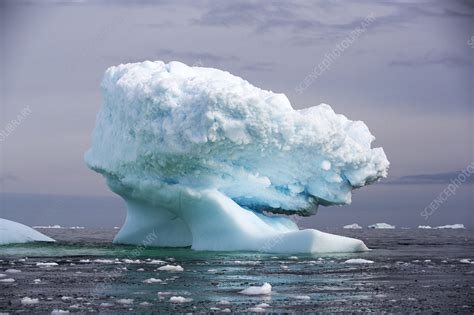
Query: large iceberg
[[13, 232], [205, 159]]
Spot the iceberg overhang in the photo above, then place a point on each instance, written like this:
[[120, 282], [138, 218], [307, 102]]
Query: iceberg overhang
[[200, 156]]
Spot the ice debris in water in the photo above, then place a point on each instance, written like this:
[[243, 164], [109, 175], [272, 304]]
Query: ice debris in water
[[265, 289]]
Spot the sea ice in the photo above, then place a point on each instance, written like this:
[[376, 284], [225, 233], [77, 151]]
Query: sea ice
[[352, 226], [381, 226], [29, 301], [171, 268], [358, 261], [152, 280], [179, 299], [426, 227], [453, 226], [13, 232], [265, 289], [201, 157]]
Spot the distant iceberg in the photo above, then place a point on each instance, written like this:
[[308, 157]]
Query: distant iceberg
[[201, 158], [426, 227], [12, 232], [352, 226], [381, 226], [453, 226]]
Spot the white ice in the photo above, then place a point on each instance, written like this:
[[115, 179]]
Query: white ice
[[352, 226], [426, 227], [452, 226], [358, 261], [381, 226], [201, 156], [13, 232], [265, 289]]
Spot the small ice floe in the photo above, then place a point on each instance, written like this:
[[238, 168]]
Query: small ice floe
[[104, 261], [427, 260], [152, 280], [131, 261], [77, 227], [140, 269], [156, 262], [106, 304], [425, 227], [265, 289], [116, 228], [284, 267], [56, 226], [358, 261], [411, 299], [260, 308], [7, 280], [46, 264], [66, 298], [466, 261], [223, 302], [353, 226], [381, 226], [57, 312], [85, 261], [180, 299], [145, 304], [171, 268], [29, 301], [226, 310], [452, 226], [293, 257], [75, 306], [302, 297], [125, 301], [12, 271], [215, 309]]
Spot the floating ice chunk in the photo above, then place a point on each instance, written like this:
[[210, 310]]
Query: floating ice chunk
[[104, 261], [156, 262], [105, 304], [352, 226], [293, 257], [125, 301], [13, 232], [46, 264], [171, 268], [226, 310], [29, 301], [152, 280], [12, 271], [145, 304], [56, 226], [58, 312], [453, 226], [224, 302], [466, 261], [381, 226], [257, 310], [358, 261], [265, 289], [7, 280], [200, 156], [180, 299], [424, 227], [262, 305], [302, 297]]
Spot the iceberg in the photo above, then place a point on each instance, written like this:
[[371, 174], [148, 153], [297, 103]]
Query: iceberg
[[452, 226], [381, 226], [12, 232], [204, 159], [354, 226]]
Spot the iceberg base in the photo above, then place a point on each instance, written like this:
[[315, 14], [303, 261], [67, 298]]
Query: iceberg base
[[176, 216]]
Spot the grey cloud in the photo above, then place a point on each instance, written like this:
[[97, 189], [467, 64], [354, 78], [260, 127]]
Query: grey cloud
[[437, 178], [8, 177], [259, 66], [446, 59], [196, 58]]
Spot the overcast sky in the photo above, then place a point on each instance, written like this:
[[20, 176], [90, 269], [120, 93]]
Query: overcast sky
[[408, 75]]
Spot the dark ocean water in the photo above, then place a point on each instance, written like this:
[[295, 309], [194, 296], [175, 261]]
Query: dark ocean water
[[412, 271]]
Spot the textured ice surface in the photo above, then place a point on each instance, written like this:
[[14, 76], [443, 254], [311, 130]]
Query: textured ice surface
[[352, 226], [200, 156], [381, 226], [13, 232], [452, 226]]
